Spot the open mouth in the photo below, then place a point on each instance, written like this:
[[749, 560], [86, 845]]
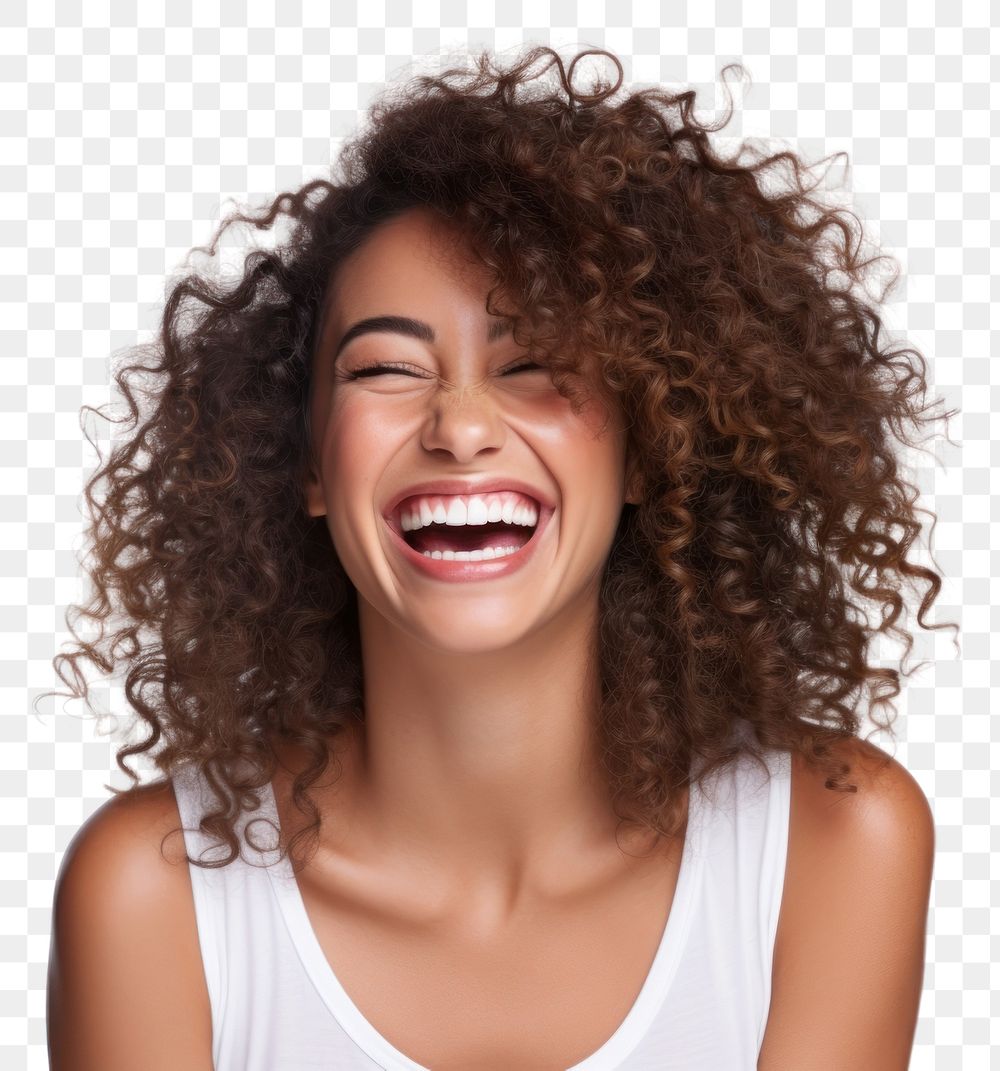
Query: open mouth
[[492, 540]]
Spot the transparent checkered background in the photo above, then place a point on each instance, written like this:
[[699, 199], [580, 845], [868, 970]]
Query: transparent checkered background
[[121, 146]]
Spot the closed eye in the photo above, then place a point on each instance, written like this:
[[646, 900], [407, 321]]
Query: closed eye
[[377, 370], [409, 370]]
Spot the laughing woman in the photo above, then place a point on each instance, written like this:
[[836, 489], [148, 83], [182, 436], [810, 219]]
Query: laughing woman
[[488, 566]]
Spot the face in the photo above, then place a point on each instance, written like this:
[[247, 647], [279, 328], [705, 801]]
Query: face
[[459, 409]]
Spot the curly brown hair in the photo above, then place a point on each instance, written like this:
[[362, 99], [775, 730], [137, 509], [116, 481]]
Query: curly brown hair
[[728, 320]]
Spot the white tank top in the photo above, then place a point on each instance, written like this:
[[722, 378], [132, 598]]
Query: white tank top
[[277, 1003]]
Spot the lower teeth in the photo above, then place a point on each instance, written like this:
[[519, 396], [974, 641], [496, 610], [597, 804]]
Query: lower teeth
[[471, 555]]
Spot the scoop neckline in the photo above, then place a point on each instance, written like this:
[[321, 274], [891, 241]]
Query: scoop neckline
[[639, 1018]]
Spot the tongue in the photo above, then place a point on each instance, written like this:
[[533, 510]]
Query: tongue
[[468, 537]]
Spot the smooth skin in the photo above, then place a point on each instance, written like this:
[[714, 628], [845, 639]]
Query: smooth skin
[[475, 787], [463, 777]]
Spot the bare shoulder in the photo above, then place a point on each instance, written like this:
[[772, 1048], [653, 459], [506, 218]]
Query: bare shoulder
[[852, 926], [142, 816], [124, 964], [886, 790]]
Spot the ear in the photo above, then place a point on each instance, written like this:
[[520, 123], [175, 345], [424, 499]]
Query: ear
[[315, 504], [633, 481]]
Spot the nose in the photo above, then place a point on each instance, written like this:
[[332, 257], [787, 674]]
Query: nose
[[463, 419]]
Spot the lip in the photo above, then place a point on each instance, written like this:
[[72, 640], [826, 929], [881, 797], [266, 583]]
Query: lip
[[467, 487], [441, 569]]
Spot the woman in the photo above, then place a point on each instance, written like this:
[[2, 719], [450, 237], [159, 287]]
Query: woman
[[495, 549]]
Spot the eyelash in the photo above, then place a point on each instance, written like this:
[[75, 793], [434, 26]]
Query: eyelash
[[370, 369]]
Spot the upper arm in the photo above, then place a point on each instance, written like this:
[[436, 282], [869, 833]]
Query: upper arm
[[126, 988], [849, 956]]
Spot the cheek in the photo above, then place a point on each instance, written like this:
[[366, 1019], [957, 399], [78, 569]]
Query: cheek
[[593, 447], [595, 477], [359, 437], [350, 446], [358, 448]]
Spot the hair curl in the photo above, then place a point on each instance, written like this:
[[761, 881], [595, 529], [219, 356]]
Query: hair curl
[[728, 320]]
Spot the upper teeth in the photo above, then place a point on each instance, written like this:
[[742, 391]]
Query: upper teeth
[[468, 509]]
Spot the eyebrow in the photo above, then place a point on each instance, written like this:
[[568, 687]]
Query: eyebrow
[[406, 325]]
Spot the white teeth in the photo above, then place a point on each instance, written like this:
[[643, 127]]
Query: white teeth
[[456, 512], [471, 555], [478, 512], [468, 510]]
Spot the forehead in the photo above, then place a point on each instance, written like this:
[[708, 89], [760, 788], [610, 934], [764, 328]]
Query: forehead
[[416, 265], [415, 251]]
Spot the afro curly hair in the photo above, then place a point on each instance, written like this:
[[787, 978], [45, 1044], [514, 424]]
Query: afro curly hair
[[723, 310]]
